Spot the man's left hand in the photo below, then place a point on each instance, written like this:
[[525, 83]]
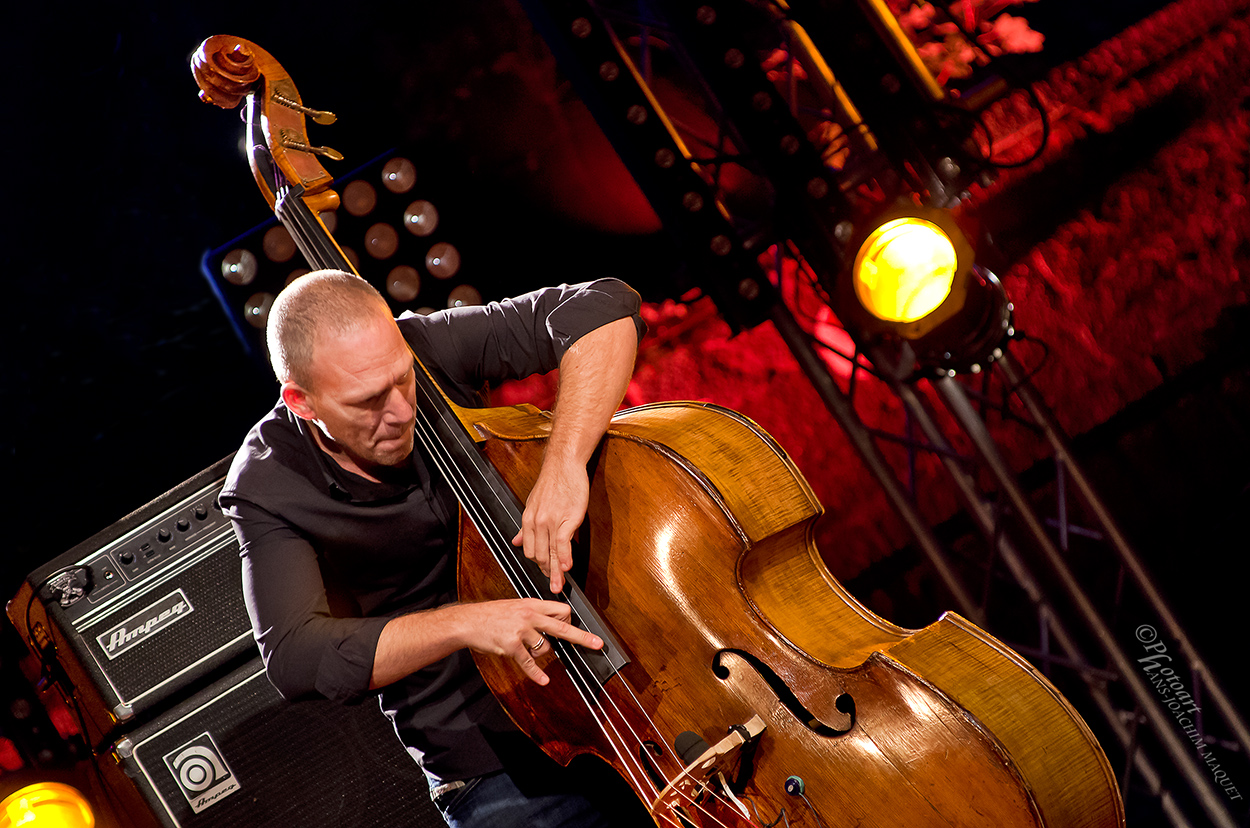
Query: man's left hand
[[554, 509]]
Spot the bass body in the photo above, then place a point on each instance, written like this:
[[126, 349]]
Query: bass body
[[700, 559]]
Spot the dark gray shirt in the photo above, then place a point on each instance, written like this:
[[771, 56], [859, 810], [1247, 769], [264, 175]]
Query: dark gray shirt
[[329, 557]]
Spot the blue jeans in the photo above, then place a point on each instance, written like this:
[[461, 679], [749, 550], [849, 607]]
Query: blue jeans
[[495, 801]]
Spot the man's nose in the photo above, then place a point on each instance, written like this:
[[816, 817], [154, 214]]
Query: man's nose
[[398, 408]]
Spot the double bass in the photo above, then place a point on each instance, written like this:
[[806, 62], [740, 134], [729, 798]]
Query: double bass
[[741, 684]]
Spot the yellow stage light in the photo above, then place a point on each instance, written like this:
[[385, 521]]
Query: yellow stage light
[[905, 269], [915, 293], [46, 805]]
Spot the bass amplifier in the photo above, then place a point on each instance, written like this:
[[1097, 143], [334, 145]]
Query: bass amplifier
[[143, 613], [238, 754]]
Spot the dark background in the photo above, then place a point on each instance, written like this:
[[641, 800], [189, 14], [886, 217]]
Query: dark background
[[122, 375]]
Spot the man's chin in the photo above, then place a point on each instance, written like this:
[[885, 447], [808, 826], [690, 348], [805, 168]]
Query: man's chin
[[392, 453]]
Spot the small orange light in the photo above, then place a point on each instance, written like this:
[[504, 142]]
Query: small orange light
[[442, 260], [905, 269], [381, 241], [399, 175], [462, 295], [278, 244], [46, 805], [421, 218], [359, 198], [403, 283], [238, 267], [256, 309]]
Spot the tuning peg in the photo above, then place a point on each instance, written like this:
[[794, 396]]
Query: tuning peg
[[317, 115], [300, 146]]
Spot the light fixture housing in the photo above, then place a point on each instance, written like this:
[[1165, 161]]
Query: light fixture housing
[[46, 805], [915, 292]]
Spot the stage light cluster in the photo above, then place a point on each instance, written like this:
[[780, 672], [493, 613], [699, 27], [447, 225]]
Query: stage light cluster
[[387, 225]]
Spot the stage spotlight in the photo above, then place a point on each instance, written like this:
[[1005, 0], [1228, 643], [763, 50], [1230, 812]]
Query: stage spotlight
[[904, 270], [381, 240], [399, 175], [462, 295], [421, 218], [278, 244], [46, 805], [915, 289], [442, 261], [256, 309], [403, 283], [238, 267], [359, 198], [418, 266]]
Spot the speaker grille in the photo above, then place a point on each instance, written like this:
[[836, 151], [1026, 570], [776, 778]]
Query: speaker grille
[[238, 754]]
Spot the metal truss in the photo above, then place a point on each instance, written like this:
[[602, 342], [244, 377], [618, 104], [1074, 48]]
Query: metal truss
[[1073, 630], [809, 149]]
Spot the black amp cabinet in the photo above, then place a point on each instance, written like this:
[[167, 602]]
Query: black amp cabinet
[[144, 628], [237, 754], [142, 613]]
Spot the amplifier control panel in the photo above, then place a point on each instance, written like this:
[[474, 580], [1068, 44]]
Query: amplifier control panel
[[181, 529]]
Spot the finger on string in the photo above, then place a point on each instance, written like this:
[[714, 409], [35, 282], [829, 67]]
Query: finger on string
[[555, 571], [561, 559], [572, 634]]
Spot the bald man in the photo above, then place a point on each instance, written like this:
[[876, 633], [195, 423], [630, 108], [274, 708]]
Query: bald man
[[348, 533]]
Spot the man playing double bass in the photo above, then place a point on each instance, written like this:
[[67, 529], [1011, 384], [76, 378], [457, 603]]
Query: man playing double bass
[[348, 532]]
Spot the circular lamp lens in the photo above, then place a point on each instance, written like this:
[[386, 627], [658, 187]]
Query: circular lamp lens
[[46, 803], [278, 244], [238, 267], [256, 309], [905, 270], [462, 295], [399, 175], [381, 240], [403, 283], [442, 261], [421, 218], [359, 198]]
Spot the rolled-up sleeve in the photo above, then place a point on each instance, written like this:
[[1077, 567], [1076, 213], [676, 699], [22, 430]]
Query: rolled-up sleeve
[[306, 649], [517, 337], [589, 306]]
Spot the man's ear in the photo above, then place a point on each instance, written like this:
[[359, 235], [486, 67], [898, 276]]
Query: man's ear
[[297, 401]]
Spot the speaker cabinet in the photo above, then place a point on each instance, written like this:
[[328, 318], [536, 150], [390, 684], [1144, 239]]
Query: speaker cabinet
[[237, 754], [143, 613]]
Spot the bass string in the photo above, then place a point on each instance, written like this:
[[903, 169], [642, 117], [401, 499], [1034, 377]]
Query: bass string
[[469, 498], [581, 673], [300, 221]]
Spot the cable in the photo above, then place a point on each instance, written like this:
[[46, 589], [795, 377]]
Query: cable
[[760, 819], [67, 692], [1041, 144]]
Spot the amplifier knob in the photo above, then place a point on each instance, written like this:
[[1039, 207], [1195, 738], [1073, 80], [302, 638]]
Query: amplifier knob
[[201, 512], [127, 557], [163, 535], [183, 524]]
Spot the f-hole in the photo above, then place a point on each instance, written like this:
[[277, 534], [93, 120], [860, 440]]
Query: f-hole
[[844, 702]]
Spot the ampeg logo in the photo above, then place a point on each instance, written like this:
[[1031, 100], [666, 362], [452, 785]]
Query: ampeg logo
[[202, 774], [144, 624]]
